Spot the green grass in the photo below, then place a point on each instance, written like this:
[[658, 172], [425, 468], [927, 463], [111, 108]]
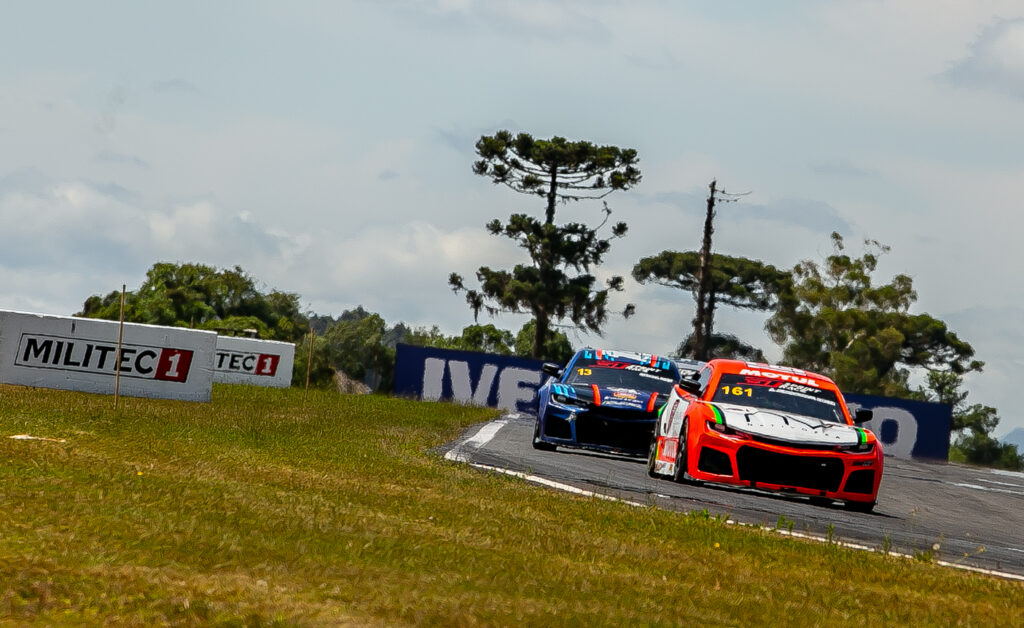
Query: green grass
[[268, 507]]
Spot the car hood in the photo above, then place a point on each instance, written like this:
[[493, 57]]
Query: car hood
[[612, 396], [791, 428]]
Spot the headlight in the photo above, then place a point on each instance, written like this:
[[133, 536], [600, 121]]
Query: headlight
[[568, 401], [859, 448], [719, 427], [722, 428]]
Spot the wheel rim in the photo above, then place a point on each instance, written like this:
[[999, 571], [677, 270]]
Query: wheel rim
[[652, 454], [684, 435]]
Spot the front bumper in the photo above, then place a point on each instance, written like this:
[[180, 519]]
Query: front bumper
[[603, 429], [815, 471]]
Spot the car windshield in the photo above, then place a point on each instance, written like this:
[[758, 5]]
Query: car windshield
[[773, 394], [612, 374]]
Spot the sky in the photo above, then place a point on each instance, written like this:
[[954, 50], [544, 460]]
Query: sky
[[325, 147]]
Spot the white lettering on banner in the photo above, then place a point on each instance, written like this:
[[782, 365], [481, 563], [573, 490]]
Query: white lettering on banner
[[515, 385], [252, 363], [906, 429], [433, 376], [462, 385], [510, 386]]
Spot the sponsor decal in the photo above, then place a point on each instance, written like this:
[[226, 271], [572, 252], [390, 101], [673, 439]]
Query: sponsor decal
[[626, 366], [624, 395], [669, 449], [251, 363], [719, 417], [785, 377], [862, 437], [671, 415], [89, 356]]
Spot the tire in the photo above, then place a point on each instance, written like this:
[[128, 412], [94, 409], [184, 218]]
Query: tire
[[679, 474], [538, 443], [652, 454], [859, 506]]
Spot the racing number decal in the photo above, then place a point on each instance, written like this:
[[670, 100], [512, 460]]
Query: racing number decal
[[173, 365], [737, 391], [583, 371]]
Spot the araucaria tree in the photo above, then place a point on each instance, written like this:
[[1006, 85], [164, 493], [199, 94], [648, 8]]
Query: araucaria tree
[[734, 281], [557, 284]]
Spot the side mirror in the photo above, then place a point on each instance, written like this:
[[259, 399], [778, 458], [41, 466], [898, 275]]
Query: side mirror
[[691, 386], [551, 369], [862, 415]]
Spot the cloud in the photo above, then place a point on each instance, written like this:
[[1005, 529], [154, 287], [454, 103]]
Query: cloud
[[839, 167], [108, 115], [99, 232], [812, 215], [25, 180], [995, 61], [403, 268], [520, 20], [122, 194], [458, 140], [174, 86], [109, 156]]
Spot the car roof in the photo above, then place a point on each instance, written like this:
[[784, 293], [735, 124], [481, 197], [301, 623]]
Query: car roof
[[650, 359]]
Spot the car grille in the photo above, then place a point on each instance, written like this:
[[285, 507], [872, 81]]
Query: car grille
[[714, 461], [619, 429], [782, 443], [812, 472], [556, 427], [862, 481]]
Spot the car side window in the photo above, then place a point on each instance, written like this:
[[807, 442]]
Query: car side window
[[704, 379]]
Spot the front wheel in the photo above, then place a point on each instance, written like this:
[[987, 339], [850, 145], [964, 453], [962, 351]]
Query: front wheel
[[679, 474], [652, 454], [537, 442]]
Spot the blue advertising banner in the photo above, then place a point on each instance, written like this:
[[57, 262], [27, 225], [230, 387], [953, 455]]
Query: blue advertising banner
[[469, 377], [907, 429]]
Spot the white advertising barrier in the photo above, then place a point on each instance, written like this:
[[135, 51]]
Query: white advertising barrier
[[254, 362], [80, 354]]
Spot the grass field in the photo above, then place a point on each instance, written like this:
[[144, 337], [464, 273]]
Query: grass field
[[268, 507]]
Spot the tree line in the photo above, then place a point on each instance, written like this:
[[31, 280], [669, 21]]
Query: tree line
[[829, 316]]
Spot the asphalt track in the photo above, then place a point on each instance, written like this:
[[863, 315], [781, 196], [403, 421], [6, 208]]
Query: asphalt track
[[963, 516]]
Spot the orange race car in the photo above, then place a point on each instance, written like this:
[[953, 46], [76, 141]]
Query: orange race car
[[767, 427]]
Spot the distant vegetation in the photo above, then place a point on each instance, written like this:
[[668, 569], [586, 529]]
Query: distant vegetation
[[204, 297]]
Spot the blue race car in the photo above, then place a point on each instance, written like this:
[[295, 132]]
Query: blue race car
[[603, 400]]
